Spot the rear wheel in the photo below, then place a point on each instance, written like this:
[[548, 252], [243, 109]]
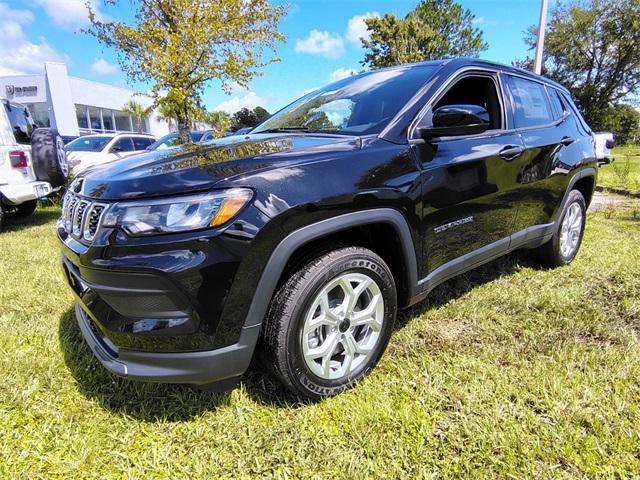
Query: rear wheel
[[567, 236], [329, 324]]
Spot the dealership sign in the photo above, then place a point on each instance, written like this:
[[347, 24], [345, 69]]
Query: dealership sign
[[28, 91]]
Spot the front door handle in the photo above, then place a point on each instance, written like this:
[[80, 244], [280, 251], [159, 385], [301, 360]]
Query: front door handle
[[511, 152], [567, 141]]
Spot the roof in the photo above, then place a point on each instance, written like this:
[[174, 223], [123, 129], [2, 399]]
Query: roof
[[464, 62]]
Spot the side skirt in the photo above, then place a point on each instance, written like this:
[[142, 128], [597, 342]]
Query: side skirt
[[528, 238]]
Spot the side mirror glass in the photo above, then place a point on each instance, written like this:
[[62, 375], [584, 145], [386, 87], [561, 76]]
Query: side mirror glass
[[454, 120]]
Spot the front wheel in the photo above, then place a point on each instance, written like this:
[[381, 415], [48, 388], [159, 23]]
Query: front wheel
[[330, 322], [567, 236]]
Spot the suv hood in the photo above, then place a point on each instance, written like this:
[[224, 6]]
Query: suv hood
[[197, 167]]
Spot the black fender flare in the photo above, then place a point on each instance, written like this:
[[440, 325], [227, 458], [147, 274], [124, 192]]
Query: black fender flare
[[585, 172], [283, 251]]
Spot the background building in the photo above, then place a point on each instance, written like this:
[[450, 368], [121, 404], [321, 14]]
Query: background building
[[76, 106]]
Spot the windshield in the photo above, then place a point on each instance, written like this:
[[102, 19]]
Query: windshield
[[20, 122], [88, 144], [359, 105]]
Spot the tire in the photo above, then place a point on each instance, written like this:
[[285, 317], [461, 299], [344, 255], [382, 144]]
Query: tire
[[355, 348], [556, 252], [25, 209], [48, 156], [1, 217]]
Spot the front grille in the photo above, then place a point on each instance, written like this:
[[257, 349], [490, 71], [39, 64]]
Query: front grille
[[81, 218]]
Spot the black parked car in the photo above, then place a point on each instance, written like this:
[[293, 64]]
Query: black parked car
[[312, 231]]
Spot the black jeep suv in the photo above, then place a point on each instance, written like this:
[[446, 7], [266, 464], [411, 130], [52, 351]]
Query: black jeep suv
[[305, 236]]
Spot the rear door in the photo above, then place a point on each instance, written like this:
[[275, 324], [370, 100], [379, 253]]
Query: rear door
[[546, 134], [469, 182]]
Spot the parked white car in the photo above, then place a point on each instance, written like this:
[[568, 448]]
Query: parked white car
[[32, 161], [91, 150], [605, 141]]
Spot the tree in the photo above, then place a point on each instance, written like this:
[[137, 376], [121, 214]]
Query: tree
[[139, 113], [623, 120], [180, 45], [261, 113], [593, 48], [434, 29], [220, 121], [249, 118]]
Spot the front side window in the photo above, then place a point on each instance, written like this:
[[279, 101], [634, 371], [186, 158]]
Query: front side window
[[359, 105], [123, 144], [477, 90], [530, 102], [20, 122], [88, 144]]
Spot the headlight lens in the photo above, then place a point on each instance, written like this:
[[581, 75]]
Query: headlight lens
[[177, 214]]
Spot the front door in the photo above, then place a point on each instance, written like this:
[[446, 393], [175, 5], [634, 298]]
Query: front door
[[469, 184]]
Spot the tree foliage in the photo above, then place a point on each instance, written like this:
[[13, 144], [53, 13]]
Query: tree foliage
[[433, 29], [249, 118], [180, 45], [593, 48], [139, 113], [623, 120]]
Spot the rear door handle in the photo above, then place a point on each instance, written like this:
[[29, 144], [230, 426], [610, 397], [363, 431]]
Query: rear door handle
[[511, 152], [567, 141]]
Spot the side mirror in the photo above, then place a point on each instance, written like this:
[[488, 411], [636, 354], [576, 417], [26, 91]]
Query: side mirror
[[453, 120], [115, 149]]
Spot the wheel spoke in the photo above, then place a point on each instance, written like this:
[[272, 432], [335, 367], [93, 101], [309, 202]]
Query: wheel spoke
[[350, 350], [368, 316], [325, 349]]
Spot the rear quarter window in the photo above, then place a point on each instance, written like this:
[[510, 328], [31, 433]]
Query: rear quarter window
[[20, 122], [559, 107], [530, 103]]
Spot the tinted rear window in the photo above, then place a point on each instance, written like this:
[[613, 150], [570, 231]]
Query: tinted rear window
[[20, 122], [531, 104]]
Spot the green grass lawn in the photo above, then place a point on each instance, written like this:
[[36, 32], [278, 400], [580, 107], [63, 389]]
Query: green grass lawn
[[509, 371], [624, 172]]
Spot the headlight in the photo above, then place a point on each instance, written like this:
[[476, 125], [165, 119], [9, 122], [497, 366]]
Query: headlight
[[177, 214]]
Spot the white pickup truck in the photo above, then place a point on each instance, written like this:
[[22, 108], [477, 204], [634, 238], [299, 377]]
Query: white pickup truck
[[605, 141], [32, 161]]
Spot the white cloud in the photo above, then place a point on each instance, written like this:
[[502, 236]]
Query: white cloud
[[251, 100], [18, 54], [357, 29], [20, 16], [102, 67], [71, 14], [325, 44], [341, 73]]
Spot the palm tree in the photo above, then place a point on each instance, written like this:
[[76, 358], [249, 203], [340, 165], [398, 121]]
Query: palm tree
[[165, 114], [139, 112]]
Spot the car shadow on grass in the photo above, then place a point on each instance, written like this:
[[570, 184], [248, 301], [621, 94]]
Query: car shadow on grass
[[164, 402], [39, 217]]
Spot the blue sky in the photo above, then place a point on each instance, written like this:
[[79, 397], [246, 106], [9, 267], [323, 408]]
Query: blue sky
[[321, 42]]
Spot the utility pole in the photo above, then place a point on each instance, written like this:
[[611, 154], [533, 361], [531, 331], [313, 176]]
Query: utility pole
[[540, 45]]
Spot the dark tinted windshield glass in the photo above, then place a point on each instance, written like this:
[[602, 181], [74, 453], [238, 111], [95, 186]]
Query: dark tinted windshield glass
[[88, 144], [20, 122], [358, 105]]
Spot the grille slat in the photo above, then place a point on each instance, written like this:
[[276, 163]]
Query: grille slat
[[81, 218]]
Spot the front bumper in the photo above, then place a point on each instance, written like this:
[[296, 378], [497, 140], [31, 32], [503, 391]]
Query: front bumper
[[199, 368], [23, 192]]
